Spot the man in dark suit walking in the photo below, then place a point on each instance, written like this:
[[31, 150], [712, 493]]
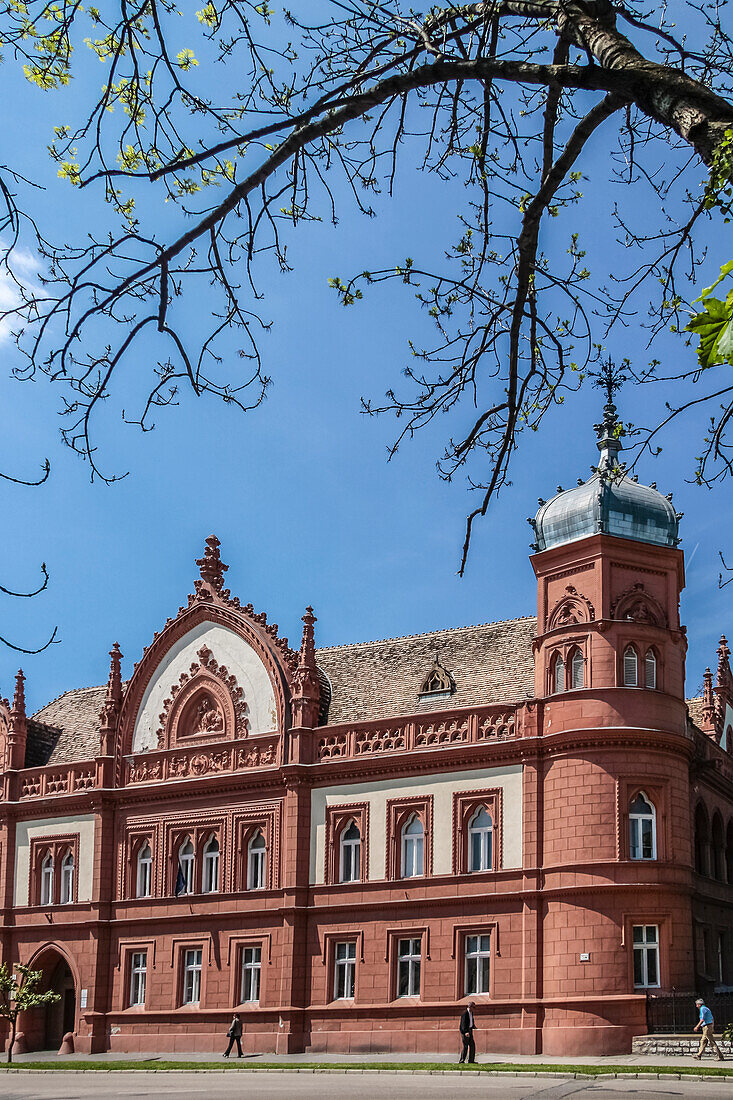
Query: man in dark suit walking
[[466, 1026], [235, 1036]]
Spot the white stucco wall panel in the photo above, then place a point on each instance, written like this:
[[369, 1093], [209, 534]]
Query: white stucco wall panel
[[81, 825], [228, 649], [442, 787]]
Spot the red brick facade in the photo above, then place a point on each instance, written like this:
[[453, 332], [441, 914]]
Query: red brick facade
[[492, 856]]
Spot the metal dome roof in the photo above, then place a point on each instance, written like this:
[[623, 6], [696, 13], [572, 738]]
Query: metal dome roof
[[609, 503]]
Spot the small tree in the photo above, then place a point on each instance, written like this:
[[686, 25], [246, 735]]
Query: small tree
[[19, 992]]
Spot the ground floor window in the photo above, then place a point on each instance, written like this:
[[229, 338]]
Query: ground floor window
[[477, 964], [409, 958], [192, 976], [646, 955], [138, 977], [251, 972], [344, 978]]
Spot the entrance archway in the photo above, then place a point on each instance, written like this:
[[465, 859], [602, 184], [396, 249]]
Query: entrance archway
[[44, 1028]]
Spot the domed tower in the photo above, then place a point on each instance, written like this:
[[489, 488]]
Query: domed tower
[[609, 576]]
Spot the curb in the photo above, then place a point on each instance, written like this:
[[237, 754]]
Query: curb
[[642, 1075]]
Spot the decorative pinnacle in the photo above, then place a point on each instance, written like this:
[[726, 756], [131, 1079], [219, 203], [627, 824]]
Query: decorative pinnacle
[[723, 655], [114, 684], [18, 709], [211, 566], [307, 656]]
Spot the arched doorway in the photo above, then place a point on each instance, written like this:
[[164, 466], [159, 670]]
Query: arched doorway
[[44, 1028], [61, 1016]]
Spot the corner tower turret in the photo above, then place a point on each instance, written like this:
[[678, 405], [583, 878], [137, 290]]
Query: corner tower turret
[[609, 577]]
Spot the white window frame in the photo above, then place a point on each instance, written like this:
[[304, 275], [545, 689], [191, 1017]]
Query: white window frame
[[47, 870], [631, 672], [257, 862], [636, 821], [192, 964], [210, 870], [67, 879], [409, 962], [187, 864], [350, 855], [344, 970], [485, 835], [650, 665], [144, 882], [644, 948], [412, 849], [478, 950], [138, 978], [251, 981]]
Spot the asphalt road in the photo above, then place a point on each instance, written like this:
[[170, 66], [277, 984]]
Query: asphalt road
[[336, 1086]]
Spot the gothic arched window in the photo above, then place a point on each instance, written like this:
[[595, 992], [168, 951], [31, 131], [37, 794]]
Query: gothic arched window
[[144, 871], [577, 669], [256, 862], [631, 670], [642, 829], [480, 838], [67, 879], [46, 892], [350, 854], [558, 674], [413, 836], [186, 862], [650, 669], [210, 883]]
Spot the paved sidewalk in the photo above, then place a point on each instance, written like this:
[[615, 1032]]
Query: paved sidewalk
[[305, 1060]]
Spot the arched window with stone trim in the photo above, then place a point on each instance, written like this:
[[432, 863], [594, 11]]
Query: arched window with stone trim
[[257, 862], [46, 890], [702, 840], [350, 853], [210, 876], [67, 879], [631, 667], [413, 848], [558, 674], [144, 871], [717, 848], [186, 867], [480, 841], [729, 852], [642, 828], [650, 669], [577, 669]]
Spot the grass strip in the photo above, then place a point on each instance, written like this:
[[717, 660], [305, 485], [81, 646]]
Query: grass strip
[[390, 1067]]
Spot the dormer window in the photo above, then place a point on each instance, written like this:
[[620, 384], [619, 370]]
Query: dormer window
[[438, 682]]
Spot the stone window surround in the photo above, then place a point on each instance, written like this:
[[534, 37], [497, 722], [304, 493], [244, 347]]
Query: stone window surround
[[656, 790], [235, 953], [337, 819], [58, 846], [465, 805], [399, 812], [124, 967]]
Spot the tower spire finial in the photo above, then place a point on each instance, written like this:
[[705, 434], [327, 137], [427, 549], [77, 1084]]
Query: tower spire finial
[[306, 685], [212, 567], [112, 702], [610, 378]]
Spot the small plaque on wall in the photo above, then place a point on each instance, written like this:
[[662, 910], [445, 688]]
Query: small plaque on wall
[[585, 956]]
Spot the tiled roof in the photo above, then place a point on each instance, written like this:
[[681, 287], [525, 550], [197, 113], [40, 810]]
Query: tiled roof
[[491, 663], [75, 714], [694, 707]]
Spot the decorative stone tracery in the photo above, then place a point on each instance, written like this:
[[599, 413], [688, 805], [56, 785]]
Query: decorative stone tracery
[[572, 608], [207, 703], [637, 605]]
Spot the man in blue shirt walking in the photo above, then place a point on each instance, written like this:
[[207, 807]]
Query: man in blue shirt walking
[[706, 1023]]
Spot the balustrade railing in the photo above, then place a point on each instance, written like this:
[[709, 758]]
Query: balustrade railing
[[63, 779], [185, 763], [482, 725]]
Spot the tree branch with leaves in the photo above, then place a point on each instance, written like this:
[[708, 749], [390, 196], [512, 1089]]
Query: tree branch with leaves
[[20, 992]]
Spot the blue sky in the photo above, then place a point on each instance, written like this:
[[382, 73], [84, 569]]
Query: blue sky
[[307, 508]]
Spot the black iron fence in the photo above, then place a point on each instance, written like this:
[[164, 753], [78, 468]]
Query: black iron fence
[[676, 1014]]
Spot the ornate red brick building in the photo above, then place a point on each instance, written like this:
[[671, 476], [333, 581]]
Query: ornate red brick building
[[344, 844]]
